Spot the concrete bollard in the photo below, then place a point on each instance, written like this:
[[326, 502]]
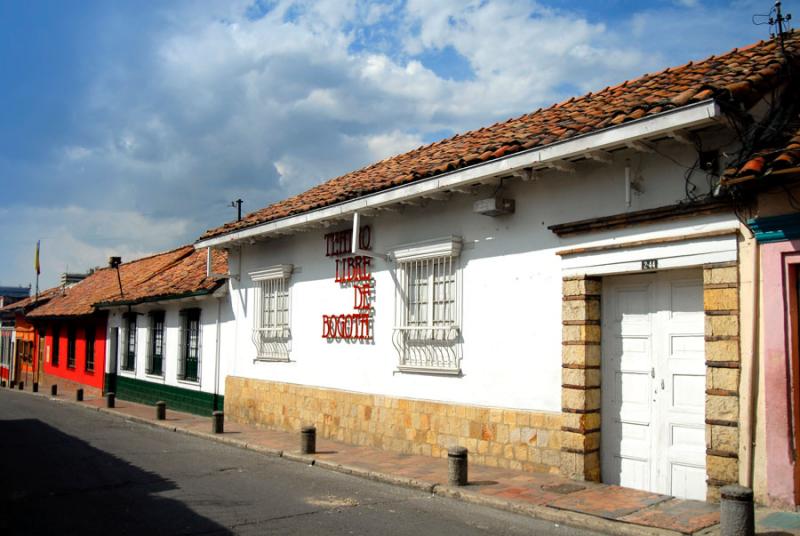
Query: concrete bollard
[[217, 422], [35, 387], [79, 395], [308, 440], [54, 390], [737, 517], [161, 410], [111, 400], [457, 466], [21, 386]]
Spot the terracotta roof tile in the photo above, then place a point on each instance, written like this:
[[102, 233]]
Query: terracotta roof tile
[[32, 301], [741, 75], [779, 153], [185, 277], [177, 272]]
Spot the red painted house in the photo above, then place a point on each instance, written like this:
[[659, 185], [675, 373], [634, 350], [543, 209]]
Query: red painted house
[[8, 296], [28, 348]]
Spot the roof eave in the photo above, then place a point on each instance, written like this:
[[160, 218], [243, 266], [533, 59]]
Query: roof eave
[[657, 126], [155, 299]]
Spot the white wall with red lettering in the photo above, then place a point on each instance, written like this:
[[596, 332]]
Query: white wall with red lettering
[[511, 277]]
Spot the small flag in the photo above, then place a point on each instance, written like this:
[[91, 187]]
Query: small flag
[[36, 260]]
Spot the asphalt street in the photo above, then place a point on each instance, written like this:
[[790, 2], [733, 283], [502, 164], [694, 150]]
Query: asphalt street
[[69, 470]]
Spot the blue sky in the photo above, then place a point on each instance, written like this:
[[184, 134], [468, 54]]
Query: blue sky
[[128, 126]]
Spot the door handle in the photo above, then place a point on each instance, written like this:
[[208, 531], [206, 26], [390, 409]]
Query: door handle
[[662, 384]]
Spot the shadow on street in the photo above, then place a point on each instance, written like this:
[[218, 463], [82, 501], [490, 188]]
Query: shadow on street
[[54, 483]]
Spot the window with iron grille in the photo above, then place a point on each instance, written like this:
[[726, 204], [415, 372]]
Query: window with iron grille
[[155, 346], [129, 348], [56, 342], [189, 357], [427, 332], [90, 339], [71, 347], [271, 330]]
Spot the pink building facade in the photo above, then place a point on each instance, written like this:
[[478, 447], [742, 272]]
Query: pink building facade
[[779, 244]]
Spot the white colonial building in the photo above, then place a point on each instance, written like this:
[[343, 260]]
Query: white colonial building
[[559, 292]]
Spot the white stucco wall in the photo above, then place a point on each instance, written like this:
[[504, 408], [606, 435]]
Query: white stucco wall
[[210, 310], [511, 285]]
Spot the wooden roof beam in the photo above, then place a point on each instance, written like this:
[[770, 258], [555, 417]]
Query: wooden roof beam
[[604, 157]]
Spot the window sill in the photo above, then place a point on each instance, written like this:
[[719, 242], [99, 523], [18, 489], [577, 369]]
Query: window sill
[[429, 370], [155, 376], [271, 360], [190, 382]]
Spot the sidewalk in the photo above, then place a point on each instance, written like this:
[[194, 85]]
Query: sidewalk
[[600, 507]]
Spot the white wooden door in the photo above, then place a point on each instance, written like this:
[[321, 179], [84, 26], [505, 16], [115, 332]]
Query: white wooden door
[[653, 407]]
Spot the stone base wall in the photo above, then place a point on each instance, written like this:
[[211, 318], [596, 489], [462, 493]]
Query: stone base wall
[[514, 439]]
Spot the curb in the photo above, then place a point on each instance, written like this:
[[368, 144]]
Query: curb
[[376, 476], [554, 515], [543, 513]]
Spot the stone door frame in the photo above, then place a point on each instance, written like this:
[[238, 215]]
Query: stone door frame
[[581, 376]]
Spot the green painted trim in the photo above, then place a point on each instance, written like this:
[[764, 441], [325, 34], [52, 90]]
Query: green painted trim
[[110, 383], [177, 398]]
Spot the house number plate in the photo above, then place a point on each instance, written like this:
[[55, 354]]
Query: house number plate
[[649, 264]]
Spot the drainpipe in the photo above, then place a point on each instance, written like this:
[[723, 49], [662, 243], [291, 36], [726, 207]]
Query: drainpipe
[[749, 384], [217, 357], [627, 183]]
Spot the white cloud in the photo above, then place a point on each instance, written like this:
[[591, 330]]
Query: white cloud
[[391, 143], [77, 239], [217, 106]]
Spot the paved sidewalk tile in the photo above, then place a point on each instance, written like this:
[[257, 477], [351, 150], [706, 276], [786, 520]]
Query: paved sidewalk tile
[[677, 514], [610, 502], [784, 523]]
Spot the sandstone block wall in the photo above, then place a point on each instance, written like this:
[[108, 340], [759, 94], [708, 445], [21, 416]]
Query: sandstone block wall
[[507, 438], [721, 304], [580, 378]]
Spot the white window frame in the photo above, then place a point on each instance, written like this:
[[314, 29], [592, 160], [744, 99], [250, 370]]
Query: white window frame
[[272, 332], [183, 345], [431, 344], [125, 347]]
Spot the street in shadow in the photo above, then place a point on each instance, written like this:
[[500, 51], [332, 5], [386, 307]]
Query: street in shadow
[[54, 483]]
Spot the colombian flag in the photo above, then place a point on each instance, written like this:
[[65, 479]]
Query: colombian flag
[[36, 259]]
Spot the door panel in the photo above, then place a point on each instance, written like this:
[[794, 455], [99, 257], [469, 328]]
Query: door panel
[[627, 385], [682, 401], [653, 429]]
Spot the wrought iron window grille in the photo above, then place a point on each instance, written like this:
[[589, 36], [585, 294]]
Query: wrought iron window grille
[[271, 331], [427, 332]]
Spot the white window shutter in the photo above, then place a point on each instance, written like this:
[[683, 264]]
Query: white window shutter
[[182, 346], [199, 344], [149, 350], [122, 345]]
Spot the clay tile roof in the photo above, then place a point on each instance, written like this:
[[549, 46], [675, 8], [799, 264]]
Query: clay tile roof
[[740, 76], [185, 277], [779, 154], [172, 273], [32, 301]]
